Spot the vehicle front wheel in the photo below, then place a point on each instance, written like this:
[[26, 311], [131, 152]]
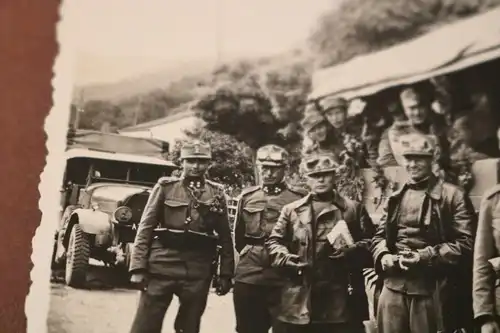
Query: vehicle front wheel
[[77, 258]]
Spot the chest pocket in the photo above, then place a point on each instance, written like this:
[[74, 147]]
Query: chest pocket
[[270, 217], [252, 216], [175, 213]]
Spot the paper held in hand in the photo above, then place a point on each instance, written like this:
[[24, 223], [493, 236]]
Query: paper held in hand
[[340, 236]]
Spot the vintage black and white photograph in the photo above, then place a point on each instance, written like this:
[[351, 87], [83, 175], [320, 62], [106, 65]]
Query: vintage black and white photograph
[[286, 166]]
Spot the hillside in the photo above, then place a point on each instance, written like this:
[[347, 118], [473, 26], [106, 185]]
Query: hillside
[[355, 27], [142, 84], [159, 94]]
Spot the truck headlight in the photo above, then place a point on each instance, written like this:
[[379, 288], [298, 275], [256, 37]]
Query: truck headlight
[[123, 214]]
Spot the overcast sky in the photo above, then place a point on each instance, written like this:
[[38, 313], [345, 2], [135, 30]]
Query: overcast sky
[[116, 39]]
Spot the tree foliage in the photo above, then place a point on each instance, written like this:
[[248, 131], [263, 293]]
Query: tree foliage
[[362, 26], [232, 159], [258, 102]]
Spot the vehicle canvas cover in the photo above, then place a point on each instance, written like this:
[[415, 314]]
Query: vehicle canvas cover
[[117, 143]]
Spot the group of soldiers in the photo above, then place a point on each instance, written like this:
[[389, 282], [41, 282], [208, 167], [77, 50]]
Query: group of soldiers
[[289, 275]]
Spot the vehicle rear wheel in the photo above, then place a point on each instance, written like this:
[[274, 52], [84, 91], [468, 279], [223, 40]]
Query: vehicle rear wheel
[[77, 258]]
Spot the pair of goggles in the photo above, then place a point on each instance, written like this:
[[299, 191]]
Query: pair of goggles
[[320, 164]]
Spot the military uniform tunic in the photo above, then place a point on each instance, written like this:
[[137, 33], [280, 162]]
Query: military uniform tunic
[[257, 288], [411, 236], [258, 212], [486, 268], [433, 295], [170, 206], [332, 291]]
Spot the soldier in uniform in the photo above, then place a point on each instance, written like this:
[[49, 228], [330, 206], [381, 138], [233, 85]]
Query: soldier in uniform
[[175, 245], [486, 265], [257, 285], [423, 250], [421, 119], [324, 288], [335, 111]]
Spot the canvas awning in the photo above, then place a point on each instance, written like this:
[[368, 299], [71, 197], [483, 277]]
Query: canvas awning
[[447, 49], [117, 143], [120, 157]]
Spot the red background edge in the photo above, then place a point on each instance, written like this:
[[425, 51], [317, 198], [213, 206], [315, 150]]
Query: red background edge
[[27, 50]]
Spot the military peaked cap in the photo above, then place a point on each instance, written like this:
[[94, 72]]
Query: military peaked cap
[[331, 102], [196, 149]]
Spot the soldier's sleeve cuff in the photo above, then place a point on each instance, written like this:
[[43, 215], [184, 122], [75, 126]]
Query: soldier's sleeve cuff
[[137, 269], [427, 255]]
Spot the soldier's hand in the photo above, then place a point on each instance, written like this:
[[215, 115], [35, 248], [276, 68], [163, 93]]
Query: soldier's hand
[[342, 252], [408, 261], [388, 261], [293, 261], [139, 279], [490, 327], [224, 285]]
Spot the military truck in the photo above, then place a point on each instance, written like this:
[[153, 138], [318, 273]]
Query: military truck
[[107, 182]]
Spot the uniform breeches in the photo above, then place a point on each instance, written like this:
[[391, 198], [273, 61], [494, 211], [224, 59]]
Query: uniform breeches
[[398, 312], [156, 299], [256, 308]]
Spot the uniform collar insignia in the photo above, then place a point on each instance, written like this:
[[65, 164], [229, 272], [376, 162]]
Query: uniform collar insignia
[[274, 189], [194, 183]]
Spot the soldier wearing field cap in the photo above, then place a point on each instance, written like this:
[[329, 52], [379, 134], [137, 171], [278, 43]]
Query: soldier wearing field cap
[[324, 289], [420, 119], [318, 132], [257, 286], [335, 111], [184, 221], [423, 248], [314, 124]]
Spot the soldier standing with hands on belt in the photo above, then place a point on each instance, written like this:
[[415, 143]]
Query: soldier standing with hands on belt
[[175, 245], [324, 287], [423, 250], [257, 285]]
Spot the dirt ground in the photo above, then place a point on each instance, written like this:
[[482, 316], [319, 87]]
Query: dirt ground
[[112, 311], [105, 309], [101, 309]]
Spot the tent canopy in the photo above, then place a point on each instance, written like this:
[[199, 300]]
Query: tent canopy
[[120, 157], [117, 143], [447, 49]]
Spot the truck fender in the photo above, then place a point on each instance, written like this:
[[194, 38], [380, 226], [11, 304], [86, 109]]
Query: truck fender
[[91, 222]]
